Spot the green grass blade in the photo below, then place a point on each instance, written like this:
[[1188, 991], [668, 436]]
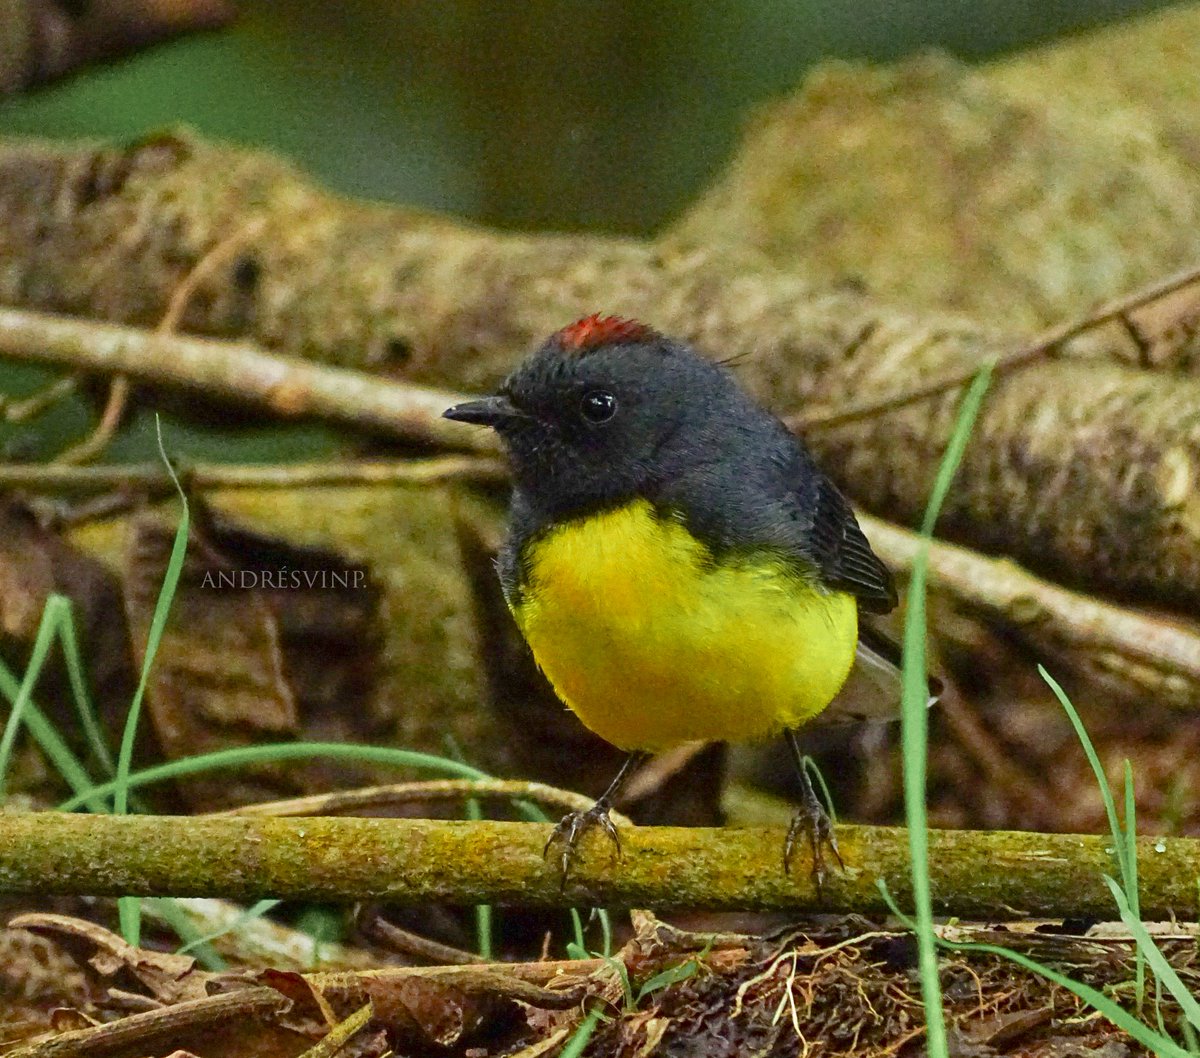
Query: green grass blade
[[88, 718], [248, 915], [162, 610], [963, 425], [1110, 807], [43, 641], [1163, 1046], [243, 756], [915, 721], [606, 936], [580, 1037], [810, 766], [52, 743], [577, 936], [1189, 1035], [483, 912], [671, 975], [129, 908], [1131, 889], [270, 753], [203, 952], [1163, 970]]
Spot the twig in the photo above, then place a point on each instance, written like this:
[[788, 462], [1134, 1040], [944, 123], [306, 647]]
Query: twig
[[406, 793], [203, 476], [110, 421], [243, 371], [216, 255], [378, 929], [1044, 345], [142, 1033], [119, 388], [341, 1033], [14, 410], [415, 861]]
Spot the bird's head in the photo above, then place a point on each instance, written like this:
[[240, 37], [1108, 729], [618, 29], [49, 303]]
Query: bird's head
[[601, 412]]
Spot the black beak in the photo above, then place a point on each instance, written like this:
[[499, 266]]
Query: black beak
[[490, 411]]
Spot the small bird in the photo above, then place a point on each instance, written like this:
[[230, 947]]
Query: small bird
[[679, 566]]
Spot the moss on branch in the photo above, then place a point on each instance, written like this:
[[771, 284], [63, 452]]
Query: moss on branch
[[975, 874]]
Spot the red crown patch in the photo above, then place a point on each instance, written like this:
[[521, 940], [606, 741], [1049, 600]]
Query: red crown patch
[[594, 331]]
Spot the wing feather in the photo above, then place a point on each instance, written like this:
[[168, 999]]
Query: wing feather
[[844, 555]]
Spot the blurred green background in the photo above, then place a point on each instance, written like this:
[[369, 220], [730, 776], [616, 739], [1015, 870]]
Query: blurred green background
[[577, 114]]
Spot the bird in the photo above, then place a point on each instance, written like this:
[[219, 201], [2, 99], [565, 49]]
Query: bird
[[679, 565]]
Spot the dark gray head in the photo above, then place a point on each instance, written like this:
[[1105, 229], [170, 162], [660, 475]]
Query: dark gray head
[[608, 409]]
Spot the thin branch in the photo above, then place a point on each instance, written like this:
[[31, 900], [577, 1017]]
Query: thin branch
[[52, 477], [416, 861], [215, 256], [241, 371], [342, 802], [18, 410], [152, 1029], [1141, 653], [119, 389], [110, 421], [1046, 344], [387, 934]]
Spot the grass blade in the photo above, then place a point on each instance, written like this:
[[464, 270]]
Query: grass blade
[[54, 746], [1163, 1046], [915, 721], [241, 756], [129, 908], [84, 706], [580, 1037], [1159, 1044], [483, 912], [174, 916], [1163, 970], [1110, 807], [1131, 884], [43, 641], [249, 915]]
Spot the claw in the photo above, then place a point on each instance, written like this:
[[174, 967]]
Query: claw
[[814, 820], [573, 826]]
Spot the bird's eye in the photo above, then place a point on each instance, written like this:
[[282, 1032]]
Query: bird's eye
[[598, 406]]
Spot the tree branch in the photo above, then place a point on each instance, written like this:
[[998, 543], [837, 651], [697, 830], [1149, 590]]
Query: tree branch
[[153, 477], [502, 863], [1141, 655], [240, 371]]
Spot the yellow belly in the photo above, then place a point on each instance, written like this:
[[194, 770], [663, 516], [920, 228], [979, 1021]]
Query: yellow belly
[[652, 644]]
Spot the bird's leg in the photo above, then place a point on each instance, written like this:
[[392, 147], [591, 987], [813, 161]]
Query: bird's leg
[[812, 818], [575, 824]]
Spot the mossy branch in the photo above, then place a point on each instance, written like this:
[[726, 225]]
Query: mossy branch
[[975, 874]]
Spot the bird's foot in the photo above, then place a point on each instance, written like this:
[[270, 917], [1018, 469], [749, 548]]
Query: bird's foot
[[812, 818], [573, 826]]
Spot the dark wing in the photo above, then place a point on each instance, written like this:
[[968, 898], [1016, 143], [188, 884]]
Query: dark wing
[[842, 552]]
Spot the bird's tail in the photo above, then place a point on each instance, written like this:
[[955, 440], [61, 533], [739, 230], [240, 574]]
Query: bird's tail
[[872, 690]]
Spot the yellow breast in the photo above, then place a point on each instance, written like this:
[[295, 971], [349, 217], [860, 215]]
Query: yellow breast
[[652, 643]]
